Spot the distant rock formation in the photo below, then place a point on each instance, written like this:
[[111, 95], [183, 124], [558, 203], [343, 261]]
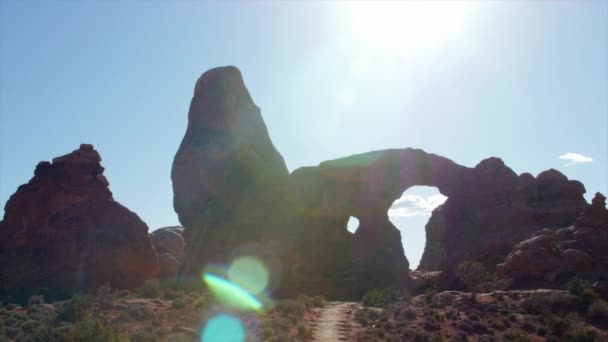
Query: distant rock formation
[[63, 230], [169, 244], [557, 255], [227, 175], [232, 189]]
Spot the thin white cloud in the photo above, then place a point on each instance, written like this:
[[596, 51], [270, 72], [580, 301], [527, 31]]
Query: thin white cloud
[[575, 158], [415, 205]]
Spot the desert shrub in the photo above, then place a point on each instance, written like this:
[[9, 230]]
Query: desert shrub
[[421, 336], [480, 327], [172, 294], [74, 309], [143, 336], [429, 294], [303, 332], [151, 289], [35, 300], [105, 297], [11, 332], [138, 312], [473, 274], [382, 297], [576, 286], [460, 336], [179, 303], [598, 311], [311, 302], [587, 297], [474, 317], [91, 330], [33, 331], [11, 306], [465, 326], [559, 325], [431, 323], [516, 337], [409, 314], [551, 302]]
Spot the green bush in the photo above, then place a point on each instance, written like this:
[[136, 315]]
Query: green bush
[[91, 330], [151, 289], [139, 312], [549, 303], [576, 286], [382, 297], [75, 309], [598, 311], [311, 302]]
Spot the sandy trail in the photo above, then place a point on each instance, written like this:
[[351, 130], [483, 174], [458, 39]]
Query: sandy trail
[[334, 322]]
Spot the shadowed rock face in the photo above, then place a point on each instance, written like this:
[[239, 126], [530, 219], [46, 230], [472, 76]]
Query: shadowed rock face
[[231, 188], [226, 175], [64, 230], [489, 208]]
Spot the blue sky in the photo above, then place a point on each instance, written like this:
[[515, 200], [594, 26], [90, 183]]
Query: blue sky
[[524, 81]]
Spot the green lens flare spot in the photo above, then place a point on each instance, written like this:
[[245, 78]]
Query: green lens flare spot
[[249, 273], [231, 294]]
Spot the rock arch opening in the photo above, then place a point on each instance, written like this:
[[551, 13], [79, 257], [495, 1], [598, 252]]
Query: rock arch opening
[[352, 225], [410, 213]]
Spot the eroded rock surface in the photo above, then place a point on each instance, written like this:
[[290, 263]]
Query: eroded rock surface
[[64, 230], [552, 255]]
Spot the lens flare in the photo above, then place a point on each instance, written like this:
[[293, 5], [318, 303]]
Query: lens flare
[[249, 273], [223, 328], [231, 294]]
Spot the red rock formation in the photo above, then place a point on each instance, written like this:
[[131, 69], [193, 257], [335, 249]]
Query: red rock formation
[[64, 230], [580, 250]]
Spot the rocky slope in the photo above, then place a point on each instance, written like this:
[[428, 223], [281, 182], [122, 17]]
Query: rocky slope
[[63, 230]]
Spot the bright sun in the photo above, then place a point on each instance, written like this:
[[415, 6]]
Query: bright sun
[[407, 26]]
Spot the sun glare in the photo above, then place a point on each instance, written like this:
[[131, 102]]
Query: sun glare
[[407, 26]]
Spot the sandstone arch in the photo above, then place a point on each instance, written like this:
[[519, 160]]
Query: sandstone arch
[[231, 187]]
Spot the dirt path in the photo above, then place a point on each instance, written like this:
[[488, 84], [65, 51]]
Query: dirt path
[[333, 322]]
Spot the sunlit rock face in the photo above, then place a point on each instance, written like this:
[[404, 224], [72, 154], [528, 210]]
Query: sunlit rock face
[[63, 230], [226, 175], [554, 256], [231, 188]]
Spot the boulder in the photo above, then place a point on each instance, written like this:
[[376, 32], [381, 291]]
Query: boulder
[[63, 230], [169, 240], [169, 244]]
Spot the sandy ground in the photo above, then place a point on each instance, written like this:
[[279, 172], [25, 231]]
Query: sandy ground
[[334, 322]]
